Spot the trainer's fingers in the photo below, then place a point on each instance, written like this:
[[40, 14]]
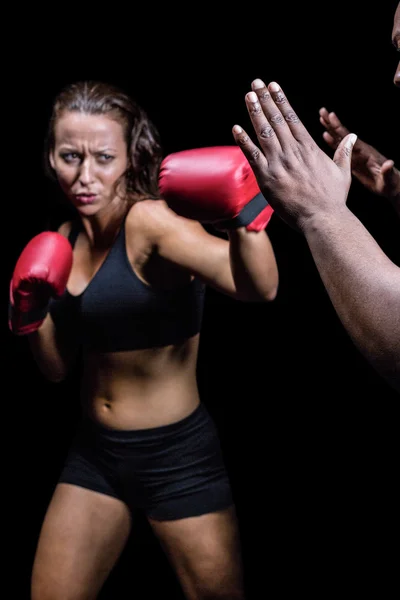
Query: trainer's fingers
[[263, 127], [336, 127], [324, 117], [323, 112], [343, 153], [255, 157], [387, 168], [279, 112], [389, 174], [330, 140], [324, 122]]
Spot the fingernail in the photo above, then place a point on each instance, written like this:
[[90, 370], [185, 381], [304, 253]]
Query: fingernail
[[237, 129], [351, 140], [252, 97], [274, 87], [257, 84]]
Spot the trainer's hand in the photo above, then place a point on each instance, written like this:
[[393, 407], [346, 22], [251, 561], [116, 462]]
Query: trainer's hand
[[298, 179], [376, 172]]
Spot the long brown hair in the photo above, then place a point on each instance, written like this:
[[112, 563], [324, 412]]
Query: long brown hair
[[141, 135]]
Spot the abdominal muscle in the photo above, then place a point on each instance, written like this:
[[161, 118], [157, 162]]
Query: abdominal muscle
[[141, 389]]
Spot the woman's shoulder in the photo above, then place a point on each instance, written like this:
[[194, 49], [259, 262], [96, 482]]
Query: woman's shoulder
[[149, 215], [69, 229], [157, 216], [65, 228], [148, 208]]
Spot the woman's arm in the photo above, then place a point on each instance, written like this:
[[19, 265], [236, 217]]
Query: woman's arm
[[53, 349], [39, 278], [253, 265], [243, 267]]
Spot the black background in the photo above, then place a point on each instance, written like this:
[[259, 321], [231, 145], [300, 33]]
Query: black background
[[309, 430]]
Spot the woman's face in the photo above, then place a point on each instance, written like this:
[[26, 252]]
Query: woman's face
[[90, 155]]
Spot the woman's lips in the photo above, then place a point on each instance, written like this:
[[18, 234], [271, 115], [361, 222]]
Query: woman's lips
[[85, 198]]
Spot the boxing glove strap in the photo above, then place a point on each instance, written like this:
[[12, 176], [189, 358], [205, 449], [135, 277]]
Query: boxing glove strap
[[246, 215]]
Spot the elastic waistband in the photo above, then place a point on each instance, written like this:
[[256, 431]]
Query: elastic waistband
[[198, 416]]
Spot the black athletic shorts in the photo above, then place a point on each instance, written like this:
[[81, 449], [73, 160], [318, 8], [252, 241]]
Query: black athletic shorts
[[170, 472]]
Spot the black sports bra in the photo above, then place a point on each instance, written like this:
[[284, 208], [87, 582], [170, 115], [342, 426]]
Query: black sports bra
[[117, 311]]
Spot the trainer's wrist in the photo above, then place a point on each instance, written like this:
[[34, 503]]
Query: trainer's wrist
[[322, 220]]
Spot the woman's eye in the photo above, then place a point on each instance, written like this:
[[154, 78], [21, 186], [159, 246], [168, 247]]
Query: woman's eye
[[70, 156]]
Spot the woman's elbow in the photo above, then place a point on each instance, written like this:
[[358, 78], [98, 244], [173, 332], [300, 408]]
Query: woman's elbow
[[269, 295], [269, 290], [260, 294]]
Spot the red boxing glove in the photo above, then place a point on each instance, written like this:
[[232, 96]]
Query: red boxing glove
[[41, 272], [215, 185]]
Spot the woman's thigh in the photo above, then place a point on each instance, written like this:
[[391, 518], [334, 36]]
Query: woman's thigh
[[82, 536], [205, 553]]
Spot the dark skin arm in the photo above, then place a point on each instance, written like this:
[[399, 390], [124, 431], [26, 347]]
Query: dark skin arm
[[363, 285], [309, 191]]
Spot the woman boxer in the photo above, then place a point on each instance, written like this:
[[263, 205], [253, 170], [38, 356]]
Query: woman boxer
[[124, 283]]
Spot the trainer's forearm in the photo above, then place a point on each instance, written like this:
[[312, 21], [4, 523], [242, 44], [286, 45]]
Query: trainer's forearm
[[363, 285], [253, 264]]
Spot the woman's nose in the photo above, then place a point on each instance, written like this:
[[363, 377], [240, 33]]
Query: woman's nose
[[86, 174]]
